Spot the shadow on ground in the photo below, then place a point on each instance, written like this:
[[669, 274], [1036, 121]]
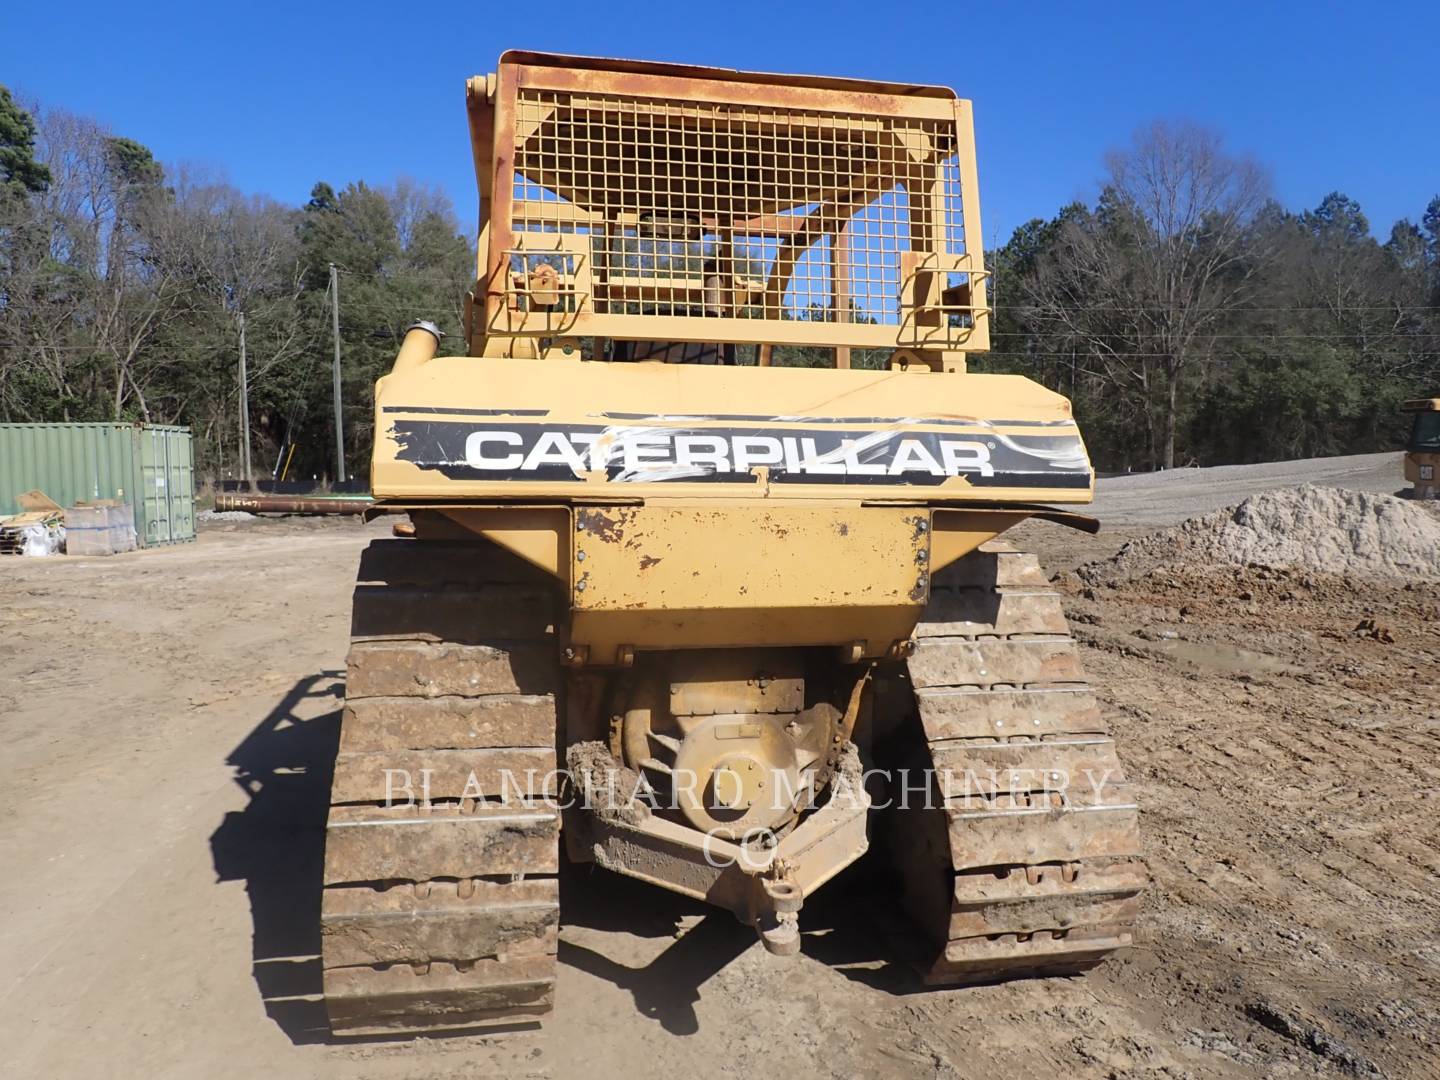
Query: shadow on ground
[[276, 845], [850, 925], [667, 988]]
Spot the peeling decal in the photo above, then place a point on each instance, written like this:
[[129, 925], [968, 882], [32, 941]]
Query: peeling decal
[[1060, 453], [631, 453]]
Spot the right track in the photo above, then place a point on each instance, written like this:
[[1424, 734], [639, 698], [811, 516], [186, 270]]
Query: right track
[[1031, 866]]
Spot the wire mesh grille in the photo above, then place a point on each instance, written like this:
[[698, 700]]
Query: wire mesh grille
[[649, 207]]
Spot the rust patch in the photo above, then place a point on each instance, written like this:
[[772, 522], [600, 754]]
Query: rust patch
[[843, 528], [647, 561], [610, 530], [778, 529]]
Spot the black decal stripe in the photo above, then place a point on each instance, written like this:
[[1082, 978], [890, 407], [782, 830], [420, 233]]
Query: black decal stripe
[[555, 474], [821, 457], [999, 479], [614, 474]]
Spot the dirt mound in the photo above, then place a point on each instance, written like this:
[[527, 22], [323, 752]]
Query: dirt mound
[[1318, 530]]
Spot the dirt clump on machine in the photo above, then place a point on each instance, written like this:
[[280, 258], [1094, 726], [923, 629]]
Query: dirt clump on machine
[[1316, 530]]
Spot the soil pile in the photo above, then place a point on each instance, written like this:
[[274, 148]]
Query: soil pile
[[1318, 530]]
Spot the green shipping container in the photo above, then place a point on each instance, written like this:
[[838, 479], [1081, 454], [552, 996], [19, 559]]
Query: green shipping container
[[148, 466]]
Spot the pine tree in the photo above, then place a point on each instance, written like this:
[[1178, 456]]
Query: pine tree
[[20, 173]]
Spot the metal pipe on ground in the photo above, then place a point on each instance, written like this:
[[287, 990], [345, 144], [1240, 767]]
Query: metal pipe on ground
[[292, 504]]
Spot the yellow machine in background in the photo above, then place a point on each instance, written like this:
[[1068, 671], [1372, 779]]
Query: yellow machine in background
[[1422, 452], [709, 610]]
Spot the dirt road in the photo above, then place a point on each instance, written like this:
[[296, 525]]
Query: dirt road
[[167, 720], [1168, 497]]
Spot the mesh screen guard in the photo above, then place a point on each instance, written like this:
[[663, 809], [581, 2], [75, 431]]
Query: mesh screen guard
[[728, 214]]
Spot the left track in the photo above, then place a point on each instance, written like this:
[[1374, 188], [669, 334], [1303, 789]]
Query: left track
[[441, 903]]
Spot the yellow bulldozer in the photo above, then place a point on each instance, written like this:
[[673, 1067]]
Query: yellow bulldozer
[[1422, 452], [700, 582]]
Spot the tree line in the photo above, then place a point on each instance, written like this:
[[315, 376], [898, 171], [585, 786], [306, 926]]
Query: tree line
[[1190, 317], [1194, 320], [125, 287]]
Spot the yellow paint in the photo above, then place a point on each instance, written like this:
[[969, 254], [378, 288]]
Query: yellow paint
[[671, 575], [572, 391], [539, 535], [959, 532]]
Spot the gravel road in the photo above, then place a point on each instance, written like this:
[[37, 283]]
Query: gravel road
[[1167, 497]]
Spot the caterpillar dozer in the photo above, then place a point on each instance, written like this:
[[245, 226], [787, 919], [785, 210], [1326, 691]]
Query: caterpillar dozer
[[1422, 452], [700, 581]]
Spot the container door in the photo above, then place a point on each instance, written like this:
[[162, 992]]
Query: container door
[[155, 485], [181, 485]]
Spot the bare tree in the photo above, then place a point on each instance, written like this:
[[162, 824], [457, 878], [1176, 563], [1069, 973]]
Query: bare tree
[[240, 257], [101, 292], [1142, 285], [241, 254], [411, 202]]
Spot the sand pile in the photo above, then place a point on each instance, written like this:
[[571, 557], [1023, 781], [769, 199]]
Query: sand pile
[[1313, 529]]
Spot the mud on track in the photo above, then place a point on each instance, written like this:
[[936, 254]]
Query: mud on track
[[168, 720]]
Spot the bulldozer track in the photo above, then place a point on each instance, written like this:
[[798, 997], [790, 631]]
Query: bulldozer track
[[441, 908], [1031, 867]]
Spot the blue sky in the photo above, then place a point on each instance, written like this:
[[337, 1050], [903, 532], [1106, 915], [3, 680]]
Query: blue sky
[[279, 95]]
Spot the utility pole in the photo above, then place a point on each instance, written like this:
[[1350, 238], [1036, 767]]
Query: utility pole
[[244, 410], [335, 330]]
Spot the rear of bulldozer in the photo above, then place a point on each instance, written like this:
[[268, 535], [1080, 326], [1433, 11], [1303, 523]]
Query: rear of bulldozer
[[1422, 451], [700, 581]]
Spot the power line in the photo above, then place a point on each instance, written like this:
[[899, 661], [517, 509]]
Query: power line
[[97, 348], [1236, 308], [1261, 336]]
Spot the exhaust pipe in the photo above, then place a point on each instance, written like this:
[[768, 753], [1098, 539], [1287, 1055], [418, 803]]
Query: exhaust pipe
[[422, 340]]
